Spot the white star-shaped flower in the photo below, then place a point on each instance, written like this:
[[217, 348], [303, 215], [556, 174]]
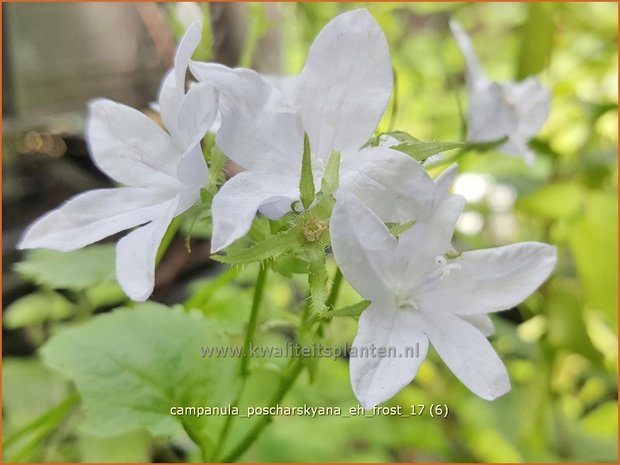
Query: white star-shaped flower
[[338, 100], [516, 110], [161, 173], [420, 295]]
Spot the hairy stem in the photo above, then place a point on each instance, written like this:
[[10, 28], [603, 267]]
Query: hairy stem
[[295, 368]]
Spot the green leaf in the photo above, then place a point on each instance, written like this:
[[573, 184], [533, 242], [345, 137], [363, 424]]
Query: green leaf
[[536, 40], [75, 270], [280, 243], [36, 308], [420, 150], [306, 183], [396, 229], [131, 366], [331, 176], [350, 310]]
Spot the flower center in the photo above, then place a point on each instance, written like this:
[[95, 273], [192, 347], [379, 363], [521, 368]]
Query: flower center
[[444, 267], [406, 300]]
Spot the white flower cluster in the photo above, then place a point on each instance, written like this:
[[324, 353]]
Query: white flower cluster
[[419, 292]]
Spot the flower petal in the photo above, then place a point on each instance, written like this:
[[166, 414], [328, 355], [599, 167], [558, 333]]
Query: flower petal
[[490, 280], [482, 322], [533, 102], [192, 171], [346, 83], [468, 354], [136, 253], [197, 112], [92, 216], [235, 205], [185, 50], [393, 336], [490, 116], [129, 147], [432, 236], [260, 129], [475, 74], [393, 185], [364, 250]]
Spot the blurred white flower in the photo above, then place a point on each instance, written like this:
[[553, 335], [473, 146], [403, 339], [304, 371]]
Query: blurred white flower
[[420, 295], [338, 100], [517, 110], [162, 174]]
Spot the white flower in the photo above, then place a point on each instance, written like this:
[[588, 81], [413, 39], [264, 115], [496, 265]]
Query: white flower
[[419, 295], [162, 174], [517, 110], [338, 99]]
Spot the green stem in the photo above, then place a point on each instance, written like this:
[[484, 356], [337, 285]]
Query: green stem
[[295, 369], [333, 293], [249, 338], [167, 240], [198, 439]]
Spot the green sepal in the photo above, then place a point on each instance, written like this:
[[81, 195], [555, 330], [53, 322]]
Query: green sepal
[[306, 183]]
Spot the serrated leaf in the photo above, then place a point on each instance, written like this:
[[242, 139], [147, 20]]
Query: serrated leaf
[[36, 308], [350, 310], [75, 270], [306, 183], [420, 150], [280, 243], [132, 365]]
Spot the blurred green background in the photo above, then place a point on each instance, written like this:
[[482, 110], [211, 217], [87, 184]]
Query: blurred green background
[[560, 346]]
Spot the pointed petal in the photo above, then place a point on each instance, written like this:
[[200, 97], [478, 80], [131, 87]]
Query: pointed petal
[[260, 129], [92, 216], [346, 83], [129, 147], [517, 147], [490, 115], [169, 102], [533, 102], [192, 171], [235, 205], [468, 354], [393, 185], [432, 236], [475, 74], [185, 50], [197, 113], [396, 333], [482, 322], [490, 280], [172, 90], [136, 253], [364, 250]]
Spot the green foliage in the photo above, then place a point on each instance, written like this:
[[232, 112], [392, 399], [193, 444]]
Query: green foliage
[[560, 346], [76, 270], [37, 308], [132, 365], [536, 40]]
